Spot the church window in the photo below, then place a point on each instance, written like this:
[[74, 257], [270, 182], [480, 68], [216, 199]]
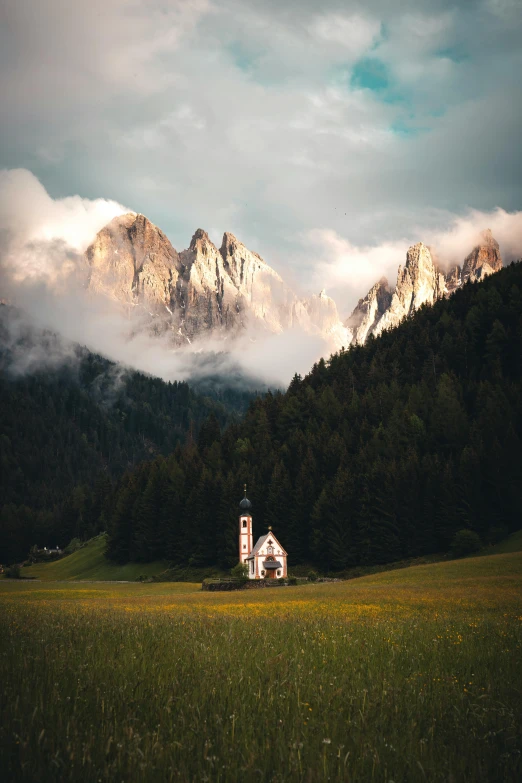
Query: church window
[[251, 566], [262, 573], [270, 550], [244, 523], [244, 546], [279, 573]]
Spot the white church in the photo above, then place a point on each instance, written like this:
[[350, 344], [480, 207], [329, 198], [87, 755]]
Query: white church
[[265, 560]]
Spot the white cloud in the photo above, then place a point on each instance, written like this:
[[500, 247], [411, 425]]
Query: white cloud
[[235, 115], [41, 235], [350, 270], [355, 34], [26, 206], [42, 272], [454, 243]]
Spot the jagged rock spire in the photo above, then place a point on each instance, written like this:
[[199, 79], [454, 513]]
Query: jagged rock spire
[[484, 259]]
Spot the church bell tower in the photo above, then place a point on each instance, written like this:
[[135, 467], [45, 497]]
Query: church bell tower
[[246, 540]]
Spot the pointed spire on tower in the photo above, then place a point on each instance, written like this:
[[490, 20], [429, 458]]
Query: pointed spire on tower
[[245, 504]]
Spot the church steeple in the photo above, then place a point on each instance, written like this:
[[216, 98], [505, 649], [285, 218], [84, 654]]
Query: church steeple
[[245, 504], [246, 540]]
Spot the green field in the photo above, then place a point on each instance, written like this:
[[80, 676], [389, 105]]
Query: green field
[[511, 544], [410, 675], [89, 563]]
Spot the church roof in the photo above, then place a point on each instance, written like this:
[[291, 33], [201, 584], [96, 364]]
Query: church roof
[[272, 564], [261, 541], [259, 544]]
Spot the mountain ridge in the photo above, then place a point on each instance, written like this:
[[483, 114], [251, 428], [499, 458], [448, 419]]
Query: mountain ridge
[[382, 452], [203, 289], [224, 292]]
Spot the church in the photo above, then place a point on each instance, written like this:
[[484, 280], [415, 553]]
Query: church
[[265, 560]]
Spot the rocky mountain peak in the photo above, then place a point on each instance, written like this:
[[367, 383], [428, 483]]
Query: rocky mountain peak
[[229, 244], [369, 311], [234, 252], [260, 287], [453, 279], [200, 290], [200, 240], [418, 282], [132, 261], [487, 239], [321, 312], [483, 260], [206, 290]]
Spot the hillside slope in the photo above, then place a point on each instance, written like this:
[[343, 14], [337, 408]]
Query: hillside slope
[[90, 563], [511, 544], [72, 420], [380, 454]]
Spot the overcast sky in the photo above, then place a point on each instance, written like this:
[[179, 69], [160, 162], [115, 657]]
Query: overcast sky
[[309, 130]]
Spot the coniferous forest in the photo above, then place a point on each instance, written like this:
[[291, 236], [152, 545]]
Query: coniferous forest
[[70, 429], [380, 453]]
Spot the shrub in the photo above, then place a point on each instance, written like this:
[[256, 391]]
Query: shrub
[[312, 576], [13, 572], [292, 580], [73, 546], [465, 542], [240, 571]]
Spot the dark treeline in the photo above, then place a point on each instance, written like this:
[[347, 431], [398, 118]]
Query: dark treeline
[[67, 432], [383, 452]]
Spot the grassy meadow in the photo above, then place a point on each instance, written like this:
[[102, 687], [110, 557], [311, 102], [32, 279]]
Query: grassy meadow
[[89, 563], [410, 675]]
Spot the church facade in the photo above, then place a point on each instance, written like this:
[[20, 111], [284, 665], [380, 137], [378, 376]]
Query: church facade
[[267, 559]]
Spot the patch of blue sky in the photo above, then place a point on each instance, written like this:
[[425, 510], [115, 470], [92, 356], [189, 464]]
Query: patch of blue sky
[[242, 58], [371, 73], [406, 128]]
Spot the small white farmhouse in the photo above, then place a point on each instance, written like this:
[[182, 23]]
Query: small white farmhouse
[[267, 559]]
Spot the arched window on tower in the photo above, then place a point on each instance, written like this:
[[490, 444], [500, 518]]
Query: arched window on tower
[[244, 523]]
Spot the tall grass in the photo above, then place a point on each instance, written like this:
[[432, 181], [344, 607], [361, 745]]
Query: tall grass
[[409, 676], [90, 562]]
